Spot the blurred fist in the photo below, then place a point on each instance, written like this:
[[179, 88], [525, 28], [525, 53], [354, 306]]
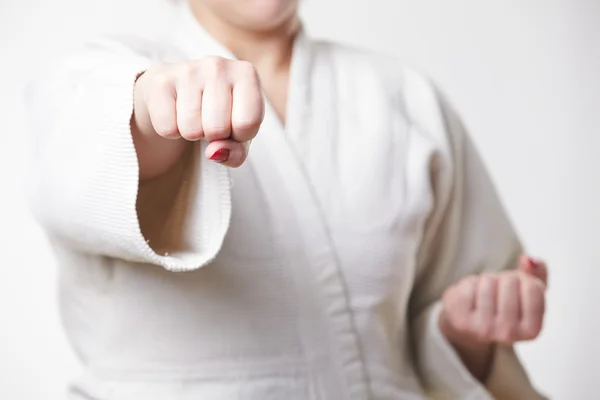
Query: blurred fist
[[504, 307], [215, 99]]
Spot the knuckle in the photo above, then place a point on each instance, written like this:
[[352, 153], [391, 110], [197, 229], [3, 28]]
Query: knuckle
[[167, 131], [487, 280], [463, 295], [246, 127], [189, 123], [188, 71], [192, 134], [448, 295], [246, 69], [217, 132], [464, 291], [511, 278], [162, 80], [531, 331], [213, 65], [468, 280]]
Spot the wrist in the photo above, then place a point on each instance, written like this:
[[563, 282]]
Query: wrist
[[475, 354]]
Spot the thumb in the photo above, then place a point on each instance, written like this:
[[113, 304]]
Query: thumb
[[534, 267]]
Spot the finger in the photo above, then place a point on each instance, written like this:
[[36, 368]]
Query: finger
[[534, 267], [161, 108], [485, 306], [248, 104], [216, 110], [227, 152], [464, 299], [509, 308], [459, 303], [189, 111], [533, 308], [463, 307]]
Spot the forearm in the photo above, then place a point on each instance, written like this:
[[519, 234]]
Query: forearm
[[477, 359]]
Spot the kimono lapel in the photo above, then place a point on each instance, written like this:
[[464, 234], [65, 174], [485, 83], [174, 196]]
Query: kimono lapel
[[311, 115], [326, 325], [279, 155]]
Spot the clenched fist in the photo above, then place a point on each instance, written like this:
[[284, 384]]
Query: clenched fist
[[214, 99], [505, 307]]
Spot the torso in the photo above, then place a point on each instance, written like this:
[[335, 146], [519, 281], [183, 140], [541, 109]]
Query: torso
[[308, 296]]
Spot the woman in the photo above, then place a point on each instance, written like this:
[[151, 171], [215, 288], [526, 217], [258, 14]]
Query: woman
[[358, 252]]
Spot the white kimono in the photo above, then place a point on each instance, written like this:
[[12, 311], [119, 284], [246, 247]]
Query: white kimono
[[313, 272]]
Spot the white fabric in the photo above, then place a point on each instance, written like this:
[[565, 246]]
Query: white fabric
[[312, 272]]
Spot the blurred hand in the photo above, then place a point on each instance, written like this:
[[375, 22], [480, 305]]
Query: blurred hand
[[214, 99], [504, 307]]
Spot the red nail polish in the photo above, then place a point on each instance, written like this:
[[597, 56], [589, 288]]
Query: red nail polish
[[532, 262], [220, 155]]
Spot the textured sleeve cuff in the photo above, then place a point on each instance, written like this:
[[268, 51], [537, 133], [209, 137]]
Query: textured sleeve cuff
[[444, 375], [88, 174], [115, 188]]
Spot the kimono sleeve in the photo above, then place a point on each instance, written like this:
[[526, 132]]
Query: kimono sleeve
[[468, 232], [83, 168]]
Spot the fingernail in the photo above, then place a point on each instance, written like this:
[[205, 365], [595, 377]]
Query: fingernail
[[533, 263], [220, 155]]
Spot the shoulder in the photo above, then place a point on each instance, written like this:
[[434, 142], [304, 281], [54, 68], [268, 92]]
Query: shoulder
[[152, 37], [410, 89], [152, 48]]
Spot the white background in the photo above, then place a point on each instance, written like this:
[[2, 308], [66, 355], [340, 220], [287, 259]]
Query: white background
[[525, 75]]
